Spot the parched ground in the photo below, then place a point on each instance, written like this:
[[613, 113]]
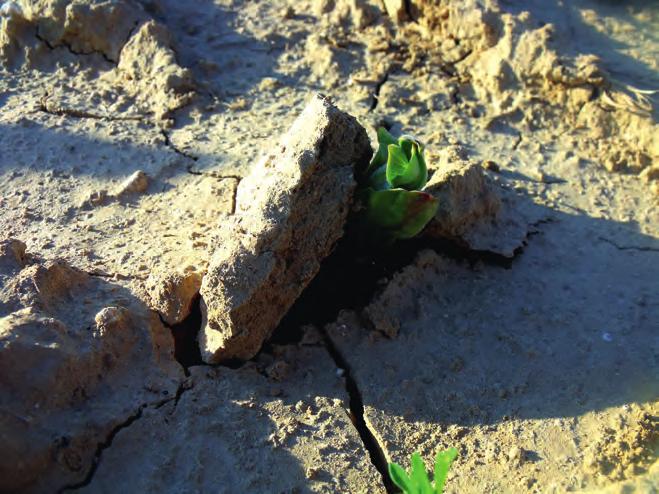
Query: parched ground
[[125, 128]]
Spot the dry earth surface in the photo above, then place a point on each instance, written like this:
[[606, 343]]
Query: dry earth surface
[[522, 328]]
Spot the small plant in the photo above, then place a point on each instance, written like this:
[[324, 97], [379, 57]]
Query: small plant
[[391, 200], [417, 482]]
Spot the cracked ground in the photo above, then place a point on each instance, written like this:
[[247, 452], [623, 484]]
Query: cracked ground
[[125, 129]]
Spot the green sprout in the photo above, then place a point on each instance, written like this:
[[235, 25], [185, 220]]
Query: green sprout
[[417, 482], [390, 195]]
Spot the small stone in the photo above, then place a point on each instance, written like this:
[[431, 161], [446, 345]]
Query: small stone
[[491, 166], [650, 174], [172, 294], [457, 364], [137, 183], [279, 370], [516, 455], [95, 198]]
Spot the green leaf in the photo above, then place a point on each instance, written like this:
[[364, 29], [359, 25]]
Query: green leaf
[[406, 142], [400, 478], [419, 476], [397, 166], [380, 156], [410, 174], [378, 179], [384, 137], [443, 462], [399, 213], [418, 173]]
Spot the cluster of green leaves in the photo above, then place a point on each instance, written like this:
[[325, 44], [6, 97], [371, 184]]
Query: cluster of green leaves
[[417, 482], [390, 195]]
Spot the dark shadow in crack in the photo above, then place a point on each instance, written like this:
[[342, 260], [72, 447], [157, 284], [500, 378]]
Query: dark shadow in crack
[[355, 272], [186, 347]]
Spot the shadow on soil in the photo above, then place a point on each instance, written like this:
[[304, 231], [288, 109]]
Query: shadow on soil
[[567, 327], [570, 22]]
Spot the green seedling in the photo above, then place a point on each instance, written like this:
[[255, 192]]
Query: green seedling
[[390, 188], [417, 482]]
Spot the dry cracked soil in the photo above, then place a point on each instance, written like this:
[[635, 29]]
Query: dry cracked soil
[[521, 328]]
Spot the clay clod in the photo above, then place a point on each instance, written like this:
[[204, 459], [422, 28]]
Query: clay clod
[[290, 212]]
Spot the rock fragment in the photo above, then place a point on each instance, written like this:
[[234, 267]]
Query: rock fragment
[[465, 195], [474, 211], [172, 294], [12, 255], [137, 183], [290, 212]]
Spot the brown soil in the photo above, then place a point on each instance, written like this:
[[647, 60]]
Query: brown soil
[[521, 329]]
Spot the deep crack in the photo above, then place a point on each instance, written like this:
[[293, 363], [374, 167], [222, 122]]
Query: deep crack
[[136, 415], [356, 405], [186, 347], [349, 279], [376, 92]]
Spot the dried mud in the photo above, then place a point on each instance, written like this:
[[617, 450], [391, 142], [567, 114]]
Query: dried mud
[[521, 328]]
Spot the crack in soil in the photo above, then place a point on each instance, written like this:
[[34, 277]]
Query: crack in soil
[[73, 113], [178, 151], [184, 386], [136, 415], [638, 248], [376, 93], [349, 278], [518, 141], [237, 178], [356, 405], [69, 112], [71, 50]]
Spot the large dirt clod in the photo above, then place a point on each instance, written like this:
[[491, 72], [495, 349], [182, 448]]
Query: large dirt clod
[[72, 368], [474, 211], [148, 69], [290, 212]]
